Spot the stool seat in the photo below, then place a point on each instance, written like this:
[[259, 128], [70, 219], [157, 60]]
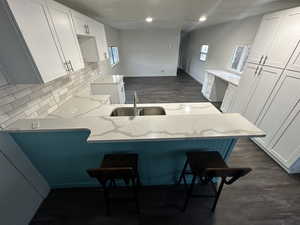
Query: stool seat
[[199, 161], [120, 160]]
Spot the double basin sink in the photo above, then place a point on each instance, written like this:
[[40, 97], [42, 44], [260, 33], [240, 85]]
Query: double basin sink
[[138, 111]]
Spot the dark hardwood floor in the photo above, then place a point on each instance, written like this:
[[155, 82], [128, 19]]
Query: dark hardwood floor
[[182, 88], [267, 196]]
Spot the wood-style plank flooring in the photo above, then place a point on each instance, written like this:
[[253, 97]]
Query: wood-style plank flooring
[[267, 196]]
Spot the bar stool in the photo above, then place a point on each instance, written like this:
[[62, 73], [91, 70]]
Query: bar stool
[[206, 166], [118, 167]]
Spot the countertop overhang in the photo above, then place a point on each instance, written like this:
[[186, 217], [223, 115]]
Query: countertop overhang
[[147, 128]]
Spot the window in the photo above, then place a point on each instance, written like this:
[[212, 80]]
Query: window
[[239, 58], [203, 53], [113, 55]]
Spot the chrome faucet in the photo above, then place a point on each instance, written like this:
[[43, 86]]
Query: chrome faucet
[[136, 111]]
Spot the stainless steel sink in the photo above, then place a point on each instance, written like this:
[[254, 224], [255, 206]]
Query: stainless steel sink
[[140, 111]]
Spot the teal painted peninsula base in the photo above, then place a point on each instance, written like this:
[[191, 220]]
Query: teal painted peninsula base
[[63, 157]]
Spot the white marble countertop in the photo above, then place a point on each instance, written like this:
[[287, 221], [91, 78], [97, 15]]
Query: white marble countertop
[[227, 76], [83, 107], [108, 79], [147, 128], [182, 121]]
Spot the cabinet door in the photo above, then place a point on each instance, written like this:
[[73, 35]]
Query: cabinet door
[[81, 23], [286, 143], [33, 21], [62, 21], [264, 37], [286, 98], [19, 199], [245, 88], [286, 39], [294, 63], [99, 32], [264, 85], [228, 97]]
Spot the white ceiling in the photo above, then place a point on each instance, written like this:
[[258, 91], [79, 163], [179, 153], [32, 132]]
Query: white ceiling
[[181, 14]]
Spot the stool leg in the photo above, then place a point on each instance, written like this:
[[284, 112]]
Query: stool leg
[[189, 193], [106, 198], [218, 195], [182, 173], [136, 197]]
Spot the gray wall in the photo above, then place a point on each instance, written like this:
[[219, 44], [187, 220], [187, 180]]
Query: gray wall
[[151, 52], [222, 40]]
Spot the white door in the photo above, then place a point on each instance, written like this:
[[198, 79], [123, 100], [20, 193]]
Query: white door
[[62, 20], [264, 37], [285, 100], [264, 85], [245, 88], [286, 39], [33, 22]]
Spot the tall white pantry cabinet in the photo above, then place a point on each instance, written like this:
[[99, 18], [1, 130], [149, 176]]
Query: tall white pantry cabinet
[[269, 91]]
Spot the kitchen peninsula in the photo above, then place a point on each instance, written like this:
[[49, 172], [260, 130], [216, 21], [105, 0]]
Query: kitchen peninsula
[[75, 137]]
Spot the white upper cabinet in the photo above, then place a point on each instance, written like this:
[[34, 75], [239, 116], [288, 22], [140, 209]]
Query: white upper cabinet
[[62, 21], [266, 79], [99, 34], [286, 39], [87, 27], [264, 37], [33, 21], [82, 23]]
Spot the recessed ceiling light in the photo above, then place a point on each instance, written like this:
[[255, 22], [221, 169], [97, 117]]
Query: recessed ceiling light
[[149, 19], [202, 18]]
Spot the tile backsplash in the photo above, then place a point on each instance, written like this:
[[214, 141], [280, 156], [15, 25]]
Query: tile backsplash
[[38, 100]]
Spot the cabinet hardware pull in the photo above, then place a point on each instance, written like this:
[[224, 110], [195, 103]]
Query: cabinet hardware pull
[[261, 59], [265, 60], [71, 65], [88, 28], [66, 66], [261, 68], [256, 70]]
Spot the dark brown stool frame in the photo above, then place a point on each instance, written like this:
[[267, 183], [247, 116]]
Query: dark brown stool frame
[[206, 166], [118, 167]]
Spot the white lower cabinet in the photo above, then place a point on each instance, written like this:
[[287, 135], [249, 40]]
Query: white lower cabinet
[[228, 98]]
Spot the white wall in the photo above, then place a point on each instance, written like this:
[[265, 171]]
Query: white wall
[[222, 40], [151, 52]]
